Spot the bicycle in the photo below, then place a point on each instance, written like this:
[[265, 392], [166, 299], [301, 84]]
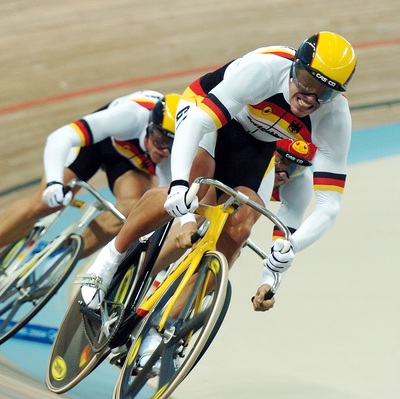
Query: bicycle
[[33, 269], [186, 337], [178, 332]]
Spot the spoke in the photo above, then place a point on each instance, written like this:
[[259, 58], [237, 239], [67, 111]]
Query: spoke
[[168, 364], [15, 307], [10, 293], [140, 381]]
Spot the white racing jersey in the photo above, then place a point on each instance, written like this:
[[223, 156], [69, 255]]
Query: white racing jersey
[[254, 90]]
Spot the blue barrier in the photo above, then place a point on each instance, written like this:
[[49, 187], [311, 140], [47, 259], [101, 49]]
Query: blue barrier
[[37, 333]]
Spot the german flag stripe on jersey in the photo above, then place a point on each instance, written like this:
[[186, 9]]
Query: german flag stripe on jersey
[[279, 234], [209, 104], [273, 113], [275, 196], [284, 52], [216, 110], [145, 102], [82, 128], [131, 149], [194, 91], [329, 181]]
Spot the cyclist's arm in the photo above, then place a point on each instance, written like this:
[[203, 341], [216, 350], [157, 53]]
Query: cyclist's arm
[[56, 152], [124, 121], [332, 138], [245, 81], [295, 197]]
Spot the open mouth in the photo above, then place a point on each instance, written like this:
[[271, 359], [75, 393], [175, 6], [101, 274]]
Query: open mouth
[[305, 104], [281, 175]]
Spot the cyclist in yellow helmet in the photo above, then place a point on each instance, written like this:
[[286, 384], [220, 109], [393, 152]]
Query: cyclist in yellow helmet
[[130, 139], [269, 94]]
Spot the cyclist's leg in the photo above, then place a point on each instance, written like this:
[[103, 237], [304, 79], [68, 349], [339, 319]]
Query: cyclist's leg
[[20, 216], [169, 251], [127, 189], [146, 216], [238, 227]]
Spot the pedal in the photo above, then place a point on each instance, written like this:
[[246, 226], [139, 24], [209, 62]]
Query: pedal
[[91, 280], [118, 355]]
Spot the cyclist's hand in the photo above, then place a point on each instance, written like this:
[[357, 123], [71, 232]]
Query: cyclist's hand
[[259, 303], [56, 194], [184, 236], [175, 204], [281, 256]]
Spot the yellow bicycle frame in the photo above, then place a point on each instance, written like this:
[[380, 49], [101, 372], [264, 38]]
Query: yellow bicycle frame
[[217, 216]]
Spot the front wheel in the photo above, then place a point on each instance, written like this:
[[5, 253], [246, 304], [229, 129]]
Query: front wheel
[[14, 255], [185, 338], [28, 291]]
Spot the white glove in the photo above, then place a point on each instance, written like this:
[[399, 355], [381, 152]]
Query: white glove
[[175, 204], [281, 256], [56, 194]]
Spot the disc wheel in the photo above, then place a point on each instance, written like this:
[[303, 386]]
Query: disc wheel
[[73, 356]]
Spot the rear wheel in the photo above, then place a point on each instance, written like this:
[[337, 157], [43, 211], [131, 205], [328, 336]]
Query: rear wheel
[[80, 345], [185, 338], [28, 290], [71, 358]]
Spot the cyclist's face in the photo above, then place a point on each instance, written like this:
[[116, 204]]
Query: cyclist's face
[[304, 92], [281, 167], [158, 146]]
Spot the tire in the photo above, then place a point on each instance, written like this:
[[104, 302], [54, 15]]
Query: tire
[[28, 291], [11, 257], [72, 356], [186, 338]]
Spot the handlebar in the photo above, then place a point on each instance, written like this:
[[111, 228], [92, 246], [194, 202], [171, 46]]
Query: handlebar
[[104, 202], [242, 198], [194, 188]]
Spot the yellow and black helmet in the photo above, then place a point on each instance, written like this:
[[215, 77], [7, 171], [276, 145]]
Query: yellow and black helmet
[[330, 59], [162, 116]]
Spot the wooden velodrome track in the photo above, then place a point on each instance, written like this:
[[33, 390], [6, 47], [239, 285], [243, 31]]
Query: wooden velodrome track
[[334, 330]]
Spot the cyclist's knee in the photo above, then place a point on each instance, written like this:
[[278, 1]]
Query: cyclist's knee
[[38, 209], [125, 205], [240, 225], [240, 232]]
